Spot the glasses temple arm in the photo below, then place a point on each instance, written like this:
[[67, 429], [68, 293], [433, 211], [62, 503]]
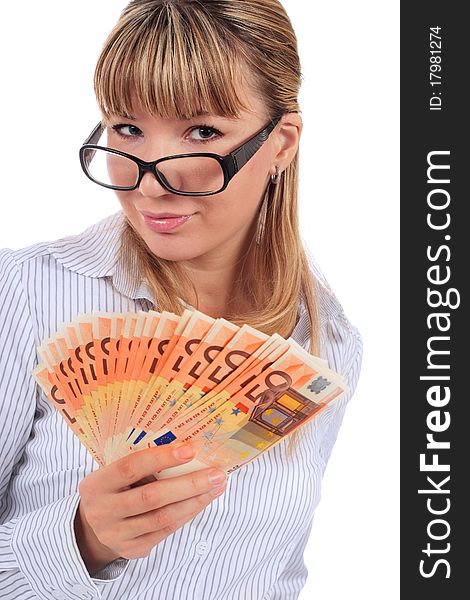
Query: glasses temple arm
[[92, 139], [243, 154], [95, 134]]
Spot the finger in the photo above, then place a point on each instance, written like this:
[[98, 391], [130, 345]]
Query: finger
[[165, 518], [149, 479], [159, 493], [130, 469]]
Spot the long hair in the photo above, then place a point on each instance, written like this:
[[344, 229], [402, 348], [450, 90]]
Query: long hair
[[179, 56]]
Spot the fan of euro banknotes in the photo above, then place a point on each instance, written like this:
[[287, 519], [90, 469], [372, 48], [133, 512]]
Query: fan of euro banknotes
[[128, 381]]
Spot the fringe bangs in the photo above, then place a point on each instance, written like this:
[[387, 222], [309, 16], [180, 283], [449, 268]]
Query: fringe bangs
[[177, 63]]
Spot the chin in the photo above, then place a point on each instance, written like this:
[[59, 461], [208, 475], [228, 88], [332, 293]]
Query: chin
[[173, 250]]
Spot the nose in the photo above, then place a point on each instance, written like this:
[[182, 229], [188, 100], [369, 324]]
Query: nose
[[150, 186]]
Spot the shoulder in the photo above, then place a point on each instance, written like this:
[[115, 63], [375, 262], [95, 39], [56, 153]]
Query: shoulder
[[340, 340], [90, 252], [341, 347]]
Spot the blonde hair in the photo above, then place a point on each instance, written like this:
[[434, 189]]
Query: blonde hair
[[182, 56]]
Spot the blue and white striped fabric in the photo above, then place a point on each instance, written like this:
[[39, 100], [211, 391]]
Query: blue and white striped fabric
[[246, 545]]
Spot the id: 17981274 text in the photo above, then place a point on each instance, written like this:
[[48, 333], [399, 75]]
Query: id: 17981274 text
[[435, 68]]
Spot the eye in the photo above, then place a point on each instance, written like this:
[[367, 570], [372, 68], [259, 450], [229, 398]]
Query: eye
[[127, 131], [205, 133]]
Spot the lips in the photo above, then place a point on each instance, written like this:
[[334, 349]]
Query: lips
[[165, 222], [166, 215]]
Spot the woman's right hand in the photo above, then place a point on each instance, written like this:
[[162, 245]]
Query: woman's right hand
[[116, 520]]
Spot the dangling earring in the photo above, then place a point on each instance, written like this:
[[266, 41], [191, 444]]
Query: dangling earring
[[277, 177], [262, 220]]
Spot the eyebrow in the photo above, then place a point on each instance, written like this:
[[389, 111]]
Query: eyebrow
[[125, 116], [199, 113], [203, 113]]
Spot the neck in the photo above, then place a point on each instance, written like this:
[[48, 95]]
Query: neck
[[214, 276], [213, 281]]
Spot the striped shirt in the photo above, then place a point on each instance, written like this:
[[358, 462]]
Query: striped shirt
[[248, 544]]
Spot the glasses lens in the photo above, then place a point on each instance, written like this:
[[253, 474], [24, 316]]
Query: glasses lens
[[111, 169], [192, 174]]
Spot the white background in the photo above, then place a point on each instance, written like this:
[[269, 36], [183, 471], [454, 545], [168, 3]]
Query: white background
[[349, 214]]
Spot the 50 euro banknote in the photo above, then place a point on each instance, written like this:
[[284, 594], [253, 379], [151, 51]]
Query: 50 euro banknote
[[127, 381], [286, 395]]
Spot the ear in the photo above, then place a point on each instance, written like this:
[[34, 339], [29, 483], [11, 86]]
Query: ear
[[288, 132]]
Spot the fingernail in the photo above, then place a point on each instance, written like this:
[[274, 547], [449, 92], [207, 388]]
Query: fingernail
[[217, 491], [184, 452], [216, 477]]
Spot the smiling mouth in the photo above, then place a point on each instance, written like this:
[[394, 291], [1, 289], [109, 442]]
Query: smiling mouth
[[164, 216], [165, 222]]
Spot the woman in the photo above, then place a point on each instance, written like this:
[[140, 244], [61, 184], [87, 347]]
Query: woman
[[174, 78]]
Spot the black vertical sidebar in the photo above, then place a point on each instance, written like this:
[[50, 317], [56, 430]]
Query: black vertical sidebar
[[435, 324]]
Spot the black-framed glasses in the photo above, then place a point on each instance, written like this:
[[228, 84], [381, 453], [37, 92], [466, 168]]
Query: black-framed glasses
[[192, 174]]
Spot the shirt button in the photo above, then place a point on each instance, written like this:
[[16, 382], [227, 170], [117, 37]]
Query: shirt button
[[202, 548]]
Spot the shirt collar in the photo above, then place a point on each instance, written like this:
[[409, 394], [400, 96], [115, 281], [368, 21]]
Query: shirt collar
[[94, 253]]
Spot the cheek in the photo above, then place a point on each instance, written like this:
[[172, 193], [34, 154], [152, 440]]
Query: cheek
[[241, 199], [121, 171], [234, 210], [127, 203]]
